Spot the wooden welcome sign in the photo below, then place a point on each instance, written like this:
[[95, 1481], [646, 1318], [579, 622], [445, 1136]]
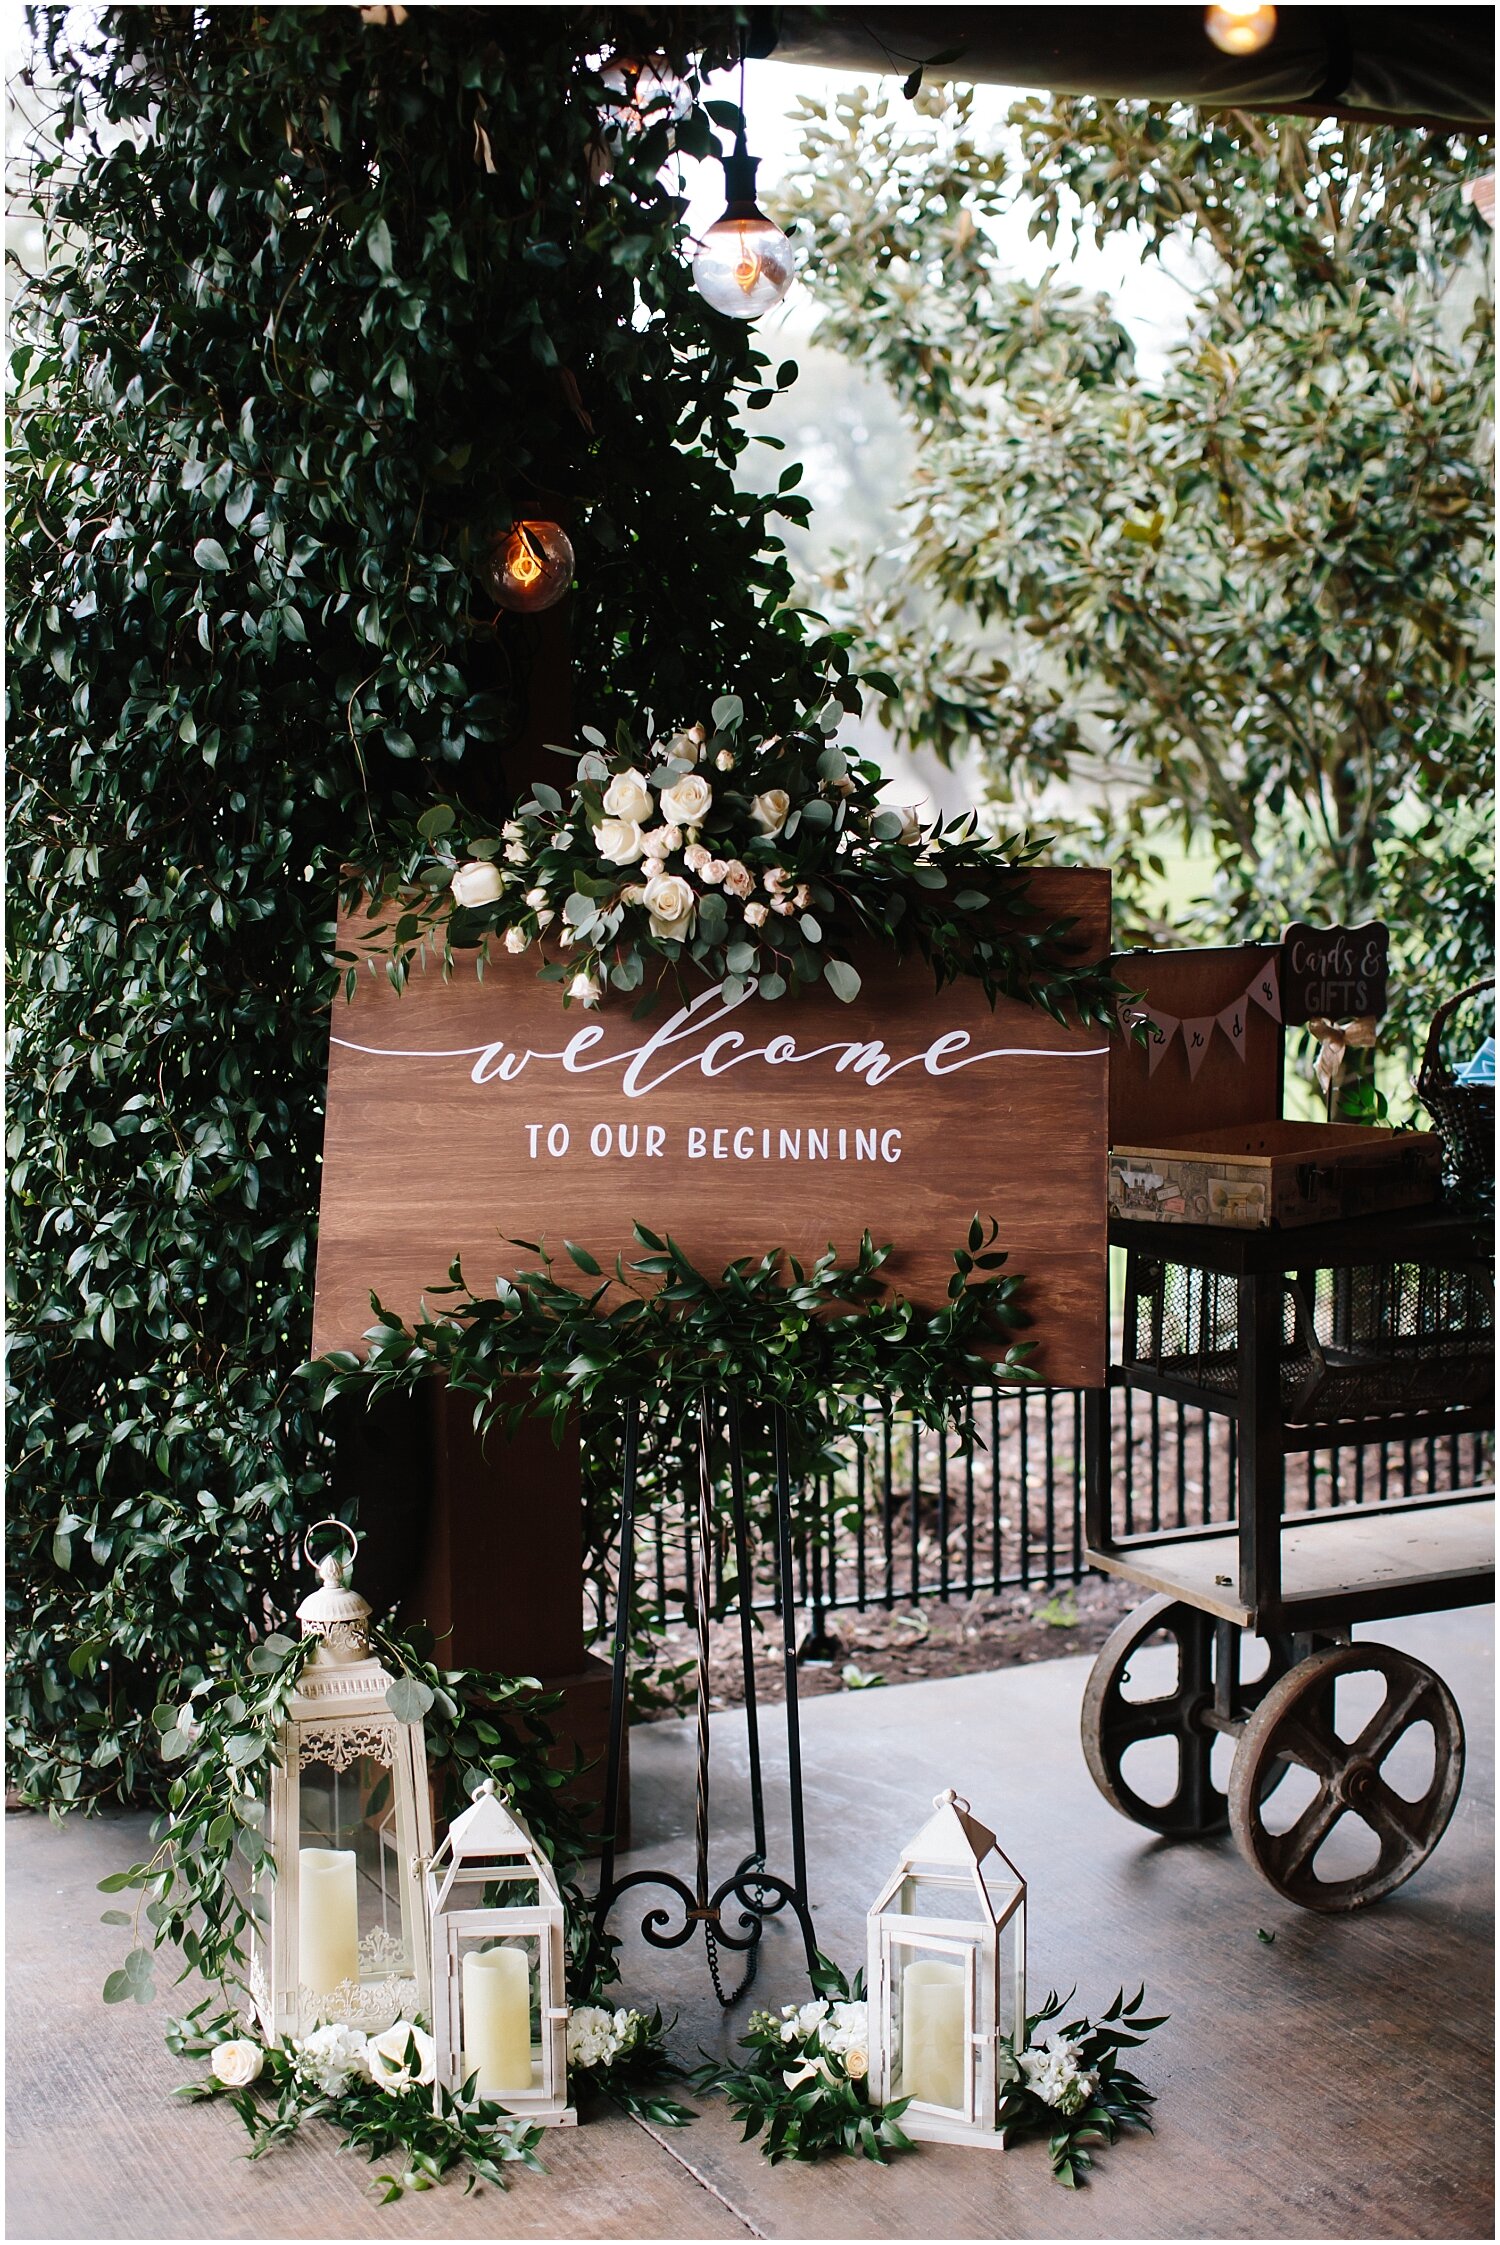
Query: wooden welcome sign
[[465, 1114]]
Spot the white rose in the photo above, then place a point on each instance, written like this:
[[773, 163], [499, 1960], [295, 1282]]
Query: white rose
[[777, 879], [478, 882], [688, 801], [856, 2064], [511, 831], [687, 747], [585, 988], [769, 810], [755, 915], [236, 2063], [662, 841], [628, 797], [653, 868], [696, 858], [619, 840], [516, 853], [545, 918], [785, 906], [633, 893], [402, 2058], [738, 878], [911, 825], [802, 896], [670, 902], [536, 898], [516, 939]]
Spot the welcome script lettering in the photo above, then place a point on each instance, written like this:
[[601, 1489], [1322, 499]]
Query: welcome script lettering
[[690, 1039]]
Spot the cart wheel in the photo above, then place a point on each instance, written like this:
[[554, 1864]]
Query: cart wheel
[[1295, 1723], [1112, 1724]]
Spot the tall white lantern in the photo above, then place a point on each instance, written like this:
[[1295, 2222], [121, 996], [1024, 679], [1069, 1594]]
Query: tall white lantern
[[946, 1978], [349, 1829], [499, 1972]]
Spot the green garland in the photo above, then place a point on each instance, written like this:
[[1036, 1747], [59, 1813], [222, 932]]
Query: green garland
[[816, 1342], [758, 864], [1073, 2089]]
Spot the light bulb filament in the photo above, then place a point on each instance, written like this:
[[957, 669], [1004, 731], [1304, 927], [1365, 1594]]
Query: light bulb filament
[[748, 271], [524, 565]]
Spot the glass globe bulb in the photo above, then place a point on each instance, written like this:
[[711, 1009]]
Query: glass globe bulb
[[529, 566], [744, 265], [1240, 30], [649, 91]]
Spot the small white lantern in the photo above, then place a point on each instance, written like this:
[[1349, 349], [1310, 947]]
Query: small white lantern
[[946, 1978], [499, 1976], [349, 1828]]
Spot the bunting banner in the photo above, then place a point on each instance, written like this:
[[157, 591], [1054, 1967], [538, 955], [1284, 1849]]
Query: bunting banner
[[1195, 1035], [1233, 1021], [1265, 990]]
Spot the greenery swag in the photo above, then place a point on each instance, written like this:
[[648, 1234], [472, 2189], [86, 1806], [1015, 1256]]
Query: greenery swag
[[816, 1342]]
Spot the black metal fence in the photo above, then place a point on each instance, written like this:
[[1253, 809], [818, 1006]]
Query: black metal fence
[[908, 1517]]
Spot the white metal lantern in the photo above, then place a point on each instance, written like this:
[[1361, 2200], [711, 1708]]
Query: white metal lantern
[[946, 1978], [349, 1829], [499, 1977]]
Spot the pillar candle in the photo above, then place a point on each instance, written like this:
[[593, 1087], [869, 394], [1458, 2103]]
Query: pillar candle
[[933, 2050], [327, 1919], [497, 2020]]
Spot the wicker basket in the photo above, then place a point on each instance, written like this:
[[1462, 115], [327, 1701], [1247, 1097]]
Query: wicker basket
[[1464, 1113]]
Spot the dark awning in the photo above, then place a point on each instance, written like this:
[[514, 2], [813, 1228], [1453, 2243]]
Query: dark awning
[[1392, 65]]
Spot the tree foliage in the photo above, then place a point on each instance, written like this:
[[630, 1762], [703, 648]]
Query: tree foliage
[[1242, 603], [327, 302]]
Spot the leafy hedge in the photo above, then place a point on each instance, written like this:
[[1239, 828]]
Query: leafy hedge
[[327, 301]]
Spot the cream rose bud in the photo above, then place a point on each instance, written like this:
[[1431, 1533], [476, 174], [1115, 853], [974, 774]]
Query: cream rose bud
[[536, 898], [402, 2058], [715, 871], [628, 797], [653, 868], [516, 939], [756, 915], [670, 901], [478, 882], [783, 905], [545, 918], [725, 759], [516, 853], [633, 893], [236, 2063], [619, 840], [802, 896], [585, 988], [769, 811], [738, 878], [696, 858], [686, 748], [511, 831], [687, 801]]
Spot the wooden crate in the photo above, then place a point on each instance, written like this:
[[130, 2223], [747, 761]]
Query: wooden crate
[[1274, 1173]]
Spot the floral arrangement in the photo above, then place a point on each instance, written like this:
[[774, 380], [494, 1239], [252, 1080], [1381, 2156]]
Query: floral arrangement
[[375, 2090], [1071, 2086], [622, 2054], [804, 2088], [760, 865]]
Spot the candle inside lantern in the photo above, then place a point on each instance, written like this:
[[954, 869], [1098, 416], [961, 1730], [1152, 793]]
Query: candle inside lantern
[[327, 1919], [933, 2050], [497, 2020]]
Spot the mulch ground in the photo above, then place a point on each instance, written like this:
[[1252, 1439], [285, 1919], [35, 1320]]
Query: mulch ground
[[910, 1644]]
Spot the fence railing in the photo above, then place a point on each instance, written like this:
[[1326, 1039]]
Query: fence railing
[[908, 1518]]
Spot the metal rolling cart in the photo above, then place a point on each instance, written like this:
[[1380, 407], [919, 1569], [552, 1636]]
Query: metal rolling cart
[[1374, 1328]]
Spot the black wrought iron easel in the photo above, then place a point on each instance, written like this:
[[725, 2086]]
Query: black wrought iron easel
[[760, 1893]]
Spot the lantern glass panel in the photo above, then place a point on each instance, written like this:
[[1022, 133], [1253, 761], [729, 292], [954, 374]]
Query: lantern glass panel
[[351, 1924], [498, 1991], [933, 1997]]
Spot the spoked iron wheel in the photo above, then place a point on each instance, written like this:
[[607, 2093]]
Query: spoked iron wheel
[[1295, 1723], [1112, 1723]]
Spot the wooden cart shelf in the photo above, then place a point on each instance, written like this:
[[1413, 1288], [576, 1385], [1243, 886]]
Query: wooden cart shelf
[[1422, 1556]]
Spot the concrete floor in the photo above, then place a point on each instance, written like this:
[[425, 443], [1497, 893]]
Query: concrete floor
[[1333, 2084]]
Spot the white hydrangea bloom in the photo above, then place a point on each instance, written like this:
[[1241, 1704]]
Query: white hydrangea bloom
[[333, 2057], [846, 2028], [598, 2035], [1052, 2072]]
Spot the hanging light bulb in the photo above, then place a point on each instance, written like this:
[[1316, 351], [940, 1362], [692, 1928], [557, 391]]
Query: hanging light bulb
[[529, 566], [745, 264], [1240, 29], [649, 91]]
